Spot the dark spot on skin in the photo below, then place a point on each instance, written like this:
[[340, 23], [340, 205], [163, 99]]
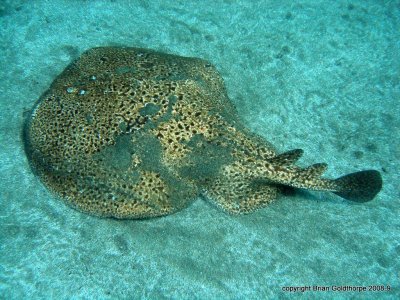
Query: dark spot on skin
[[89, 118], [147, 65], [149, 109]]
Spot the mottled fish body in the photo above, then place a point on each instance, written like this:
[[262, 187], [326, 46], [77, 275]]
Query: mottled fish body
[[135, 133]]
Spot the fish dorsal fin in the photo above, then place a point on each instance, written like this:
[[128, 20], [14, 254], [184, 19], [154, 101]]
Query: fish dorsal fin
[[286, 158], [316, 170]]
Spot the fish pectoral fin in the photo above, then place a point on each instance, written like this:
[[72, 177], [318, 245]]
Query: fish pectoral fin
[[359, 186], [286, 158]]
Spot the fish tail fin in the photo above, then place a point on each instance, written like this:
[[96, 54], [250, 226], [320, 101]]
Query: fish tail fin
[[359, 186]]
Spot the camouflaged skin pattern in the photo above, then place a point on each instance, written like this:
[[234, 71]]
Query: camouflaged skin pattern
[[134, 133]]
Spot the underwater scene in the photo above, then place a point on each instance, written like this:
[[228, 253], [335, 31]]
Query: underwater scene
[[199, 149]]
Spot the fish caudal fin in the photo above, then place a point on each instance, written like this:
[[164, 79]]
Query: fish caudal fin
[[359, 186]]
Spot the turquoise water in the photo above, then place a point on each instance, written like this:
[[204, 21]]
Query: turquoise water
[[314, 75]]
